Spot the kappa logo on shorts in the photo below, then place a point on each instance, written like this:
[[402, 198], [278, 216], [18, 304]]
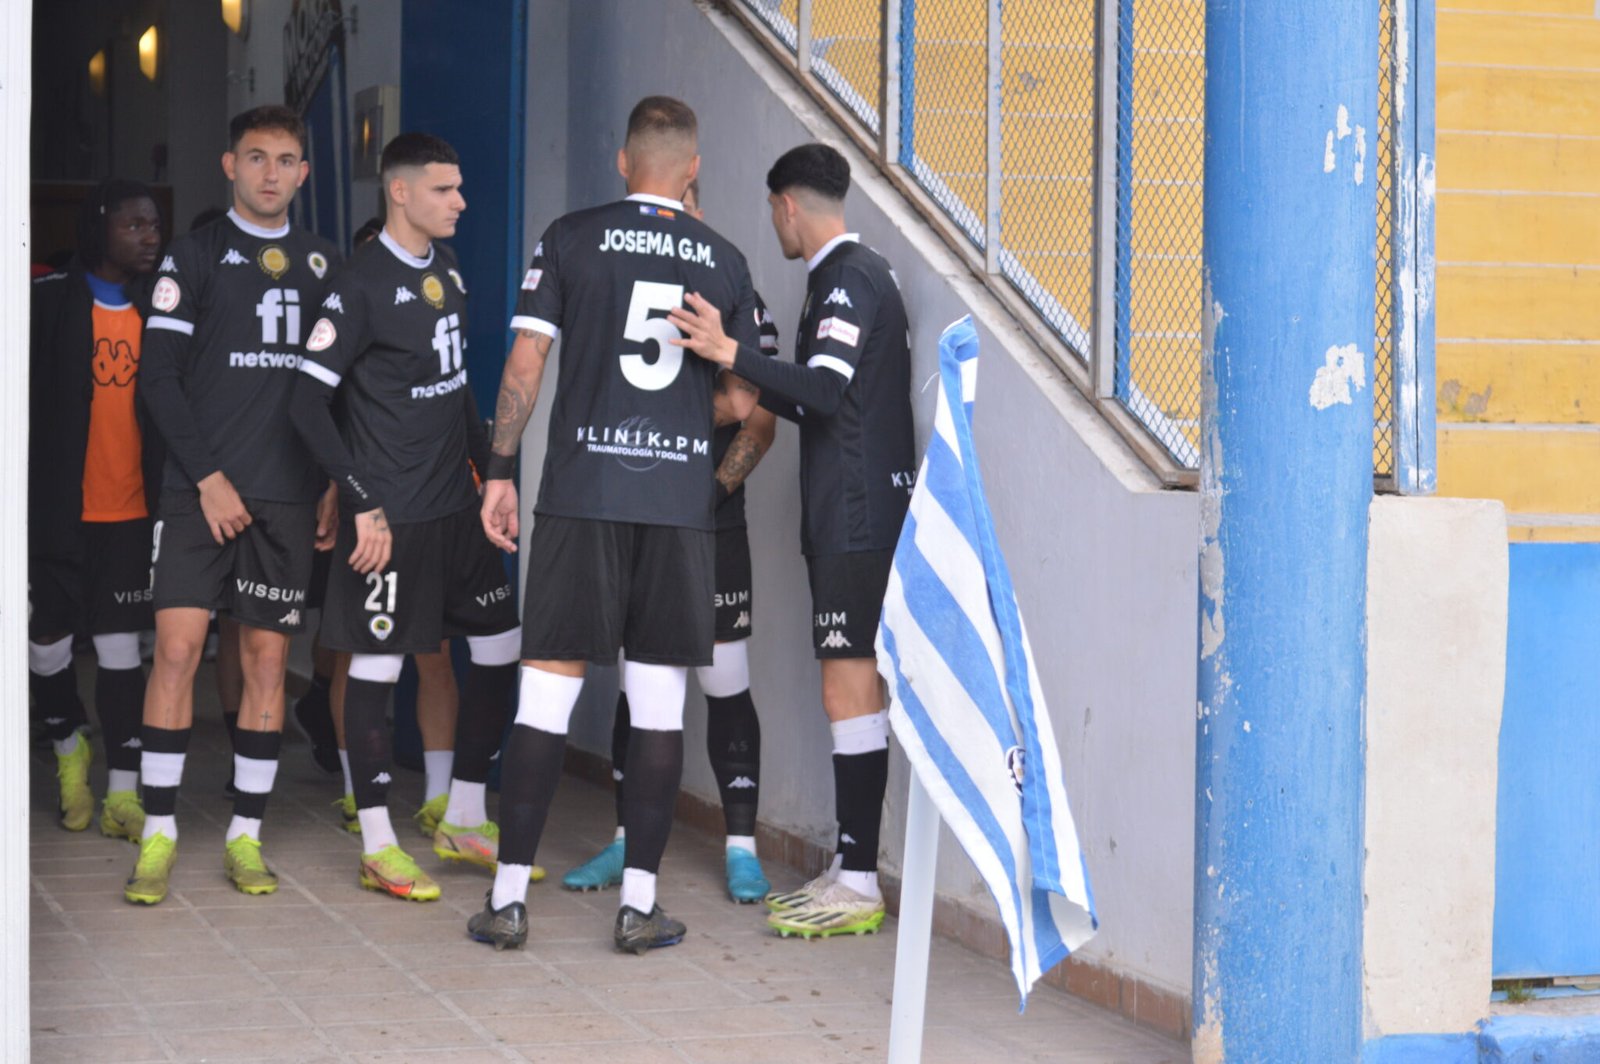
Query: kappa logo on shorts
[[836, 641], [743, 620], [381, 626], [292, 619]]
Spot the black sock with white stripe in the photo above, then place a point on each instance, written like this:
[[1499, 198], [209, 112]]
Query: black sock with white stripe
[[255, 766], [119, 701], [366, 739], [733, 741], [621, 726], [161, 760]]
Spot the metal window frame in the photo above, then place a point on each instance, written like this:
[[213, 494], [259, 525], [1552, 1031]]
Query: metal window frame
[[1096, 372]]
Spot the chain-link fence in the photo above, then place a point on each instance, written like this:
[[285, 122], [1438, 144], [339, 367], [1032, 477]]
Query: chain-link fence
[[1080, 142]]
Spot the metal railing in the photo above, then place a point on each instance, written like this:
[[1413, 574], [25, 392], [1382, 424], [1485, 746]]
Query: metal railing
[[1073, 132]]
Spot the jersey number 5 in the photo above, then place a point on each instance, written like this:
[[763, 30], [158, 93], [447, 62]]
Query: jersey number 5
[[642, 328]]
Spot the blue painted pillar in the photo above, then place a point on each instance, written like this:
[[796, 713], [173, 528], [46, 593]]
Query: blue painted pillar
[[1286, 478]]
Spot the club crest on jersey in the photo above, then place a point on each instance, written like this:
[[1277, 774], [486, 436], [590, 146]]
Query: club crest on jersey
[[455, 275], [274, 262], [323, 334], [531, 279], [839, 296], [165, 296], [381, 626], [318, 263], [432, 290]]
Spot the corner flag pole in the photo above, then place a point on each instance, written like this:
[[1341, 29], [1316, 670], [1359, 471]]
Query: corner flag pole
[[915, 926]]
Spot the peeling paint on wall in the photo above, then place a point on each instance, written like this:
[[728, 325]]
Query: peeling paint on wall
[[1343, 368]]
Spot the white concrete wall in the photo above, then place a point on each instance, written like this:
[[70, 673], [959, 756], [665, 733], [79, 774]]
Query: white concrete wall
[[1104, 561], [1437, 586]]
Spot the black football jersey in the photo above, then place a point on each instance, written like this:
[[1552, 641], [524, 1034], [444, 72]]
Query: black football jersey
[[730, 512], [858, 460], [391, 337], [231, 306], [632, 424]]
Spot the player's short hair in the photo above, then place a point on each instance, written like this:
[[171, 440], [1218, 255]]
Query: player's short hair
[[267, 116], [662, 115], [95, 213], [415, 149], [815, 167]]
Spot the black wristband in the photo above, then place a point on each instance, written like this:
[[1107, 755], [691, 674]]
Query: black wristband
[[500, 466]]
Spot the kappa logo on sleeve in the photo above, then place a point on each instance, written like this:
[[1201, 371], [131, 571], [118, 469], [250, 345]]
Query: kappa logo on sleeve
[[166, 295], [839, 329], [168, 266], [839, 296], [333, 302], [531, 279]]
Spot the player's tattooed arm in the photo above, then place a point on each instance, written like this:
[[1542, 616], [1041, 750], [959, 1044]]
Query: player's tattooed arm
[[519, 391], [746, 450], [735, 398]]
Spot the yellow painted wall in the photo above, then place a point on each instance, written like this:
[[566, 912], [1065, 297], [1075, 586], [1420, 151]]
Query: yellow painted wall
[[1519, 260]]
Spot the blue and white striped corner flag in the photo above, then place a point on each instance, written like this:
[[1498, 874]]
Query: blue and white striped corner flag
[[965, 698]]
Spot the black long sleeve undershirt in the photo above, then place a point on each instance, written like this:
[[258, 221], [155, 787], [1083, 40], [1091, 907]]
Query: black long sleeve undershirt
[[817, 389], [161, 392], [311, 410]]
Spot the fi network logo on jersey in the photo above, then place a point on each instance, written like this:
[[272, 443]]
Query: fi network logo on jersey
[[839, 296], [403, 295], [279, 304], [835, 641], [232, 258]]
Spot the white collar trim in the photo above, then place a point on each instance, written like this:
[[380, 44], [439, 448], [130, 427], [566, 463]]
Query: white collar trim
[[827, 249], [659, 201], [258, 230], [402, 254]]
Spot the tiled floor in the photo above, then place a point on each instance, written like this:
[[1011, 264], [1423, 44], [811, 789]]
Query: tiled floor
[[323, 971]]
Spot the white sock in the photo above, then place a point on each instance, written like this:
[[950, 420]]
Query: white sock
[[466, 808], [253, 775], [344, 763], [436, 766], [161, 825], [67, 745], [243, 825], [639, 889], [376, 831], [863, 883], [835, 867], [742, 842], [861, 735], [121, 779], [510, 884], [621, 834]]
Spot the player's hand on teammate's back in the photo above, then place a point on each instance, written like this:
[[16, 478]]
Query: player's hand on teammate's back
[[500, 514], [373, 542], [223, 509], [327, 518], [701, 325]]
